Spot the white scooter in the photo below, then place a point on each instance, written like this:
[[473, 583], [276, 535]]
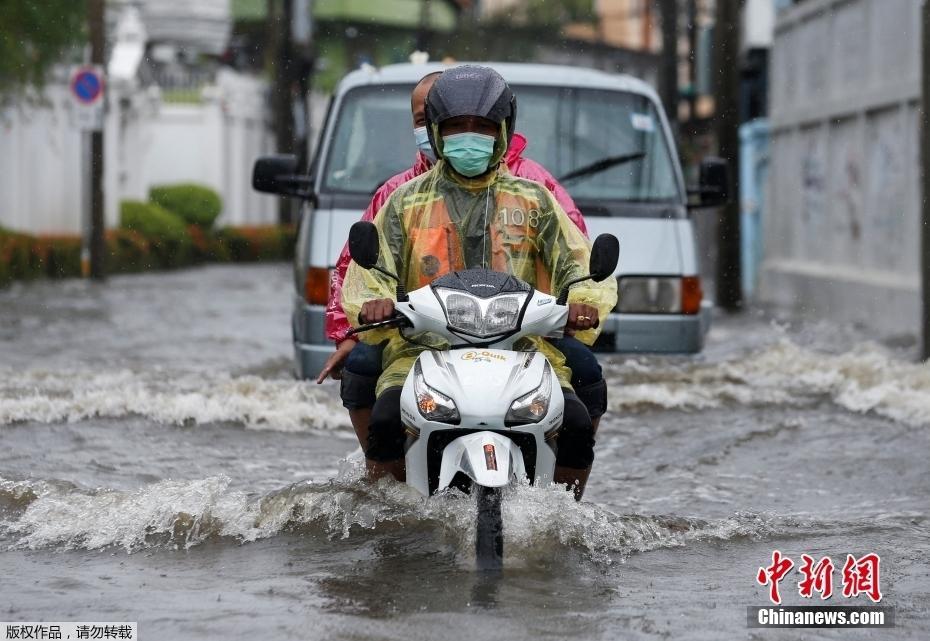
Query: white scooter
[[479, 416]]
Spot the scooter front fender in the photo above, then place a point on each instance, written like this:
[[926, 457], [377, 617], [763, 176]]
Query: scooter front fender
[[487, 458]]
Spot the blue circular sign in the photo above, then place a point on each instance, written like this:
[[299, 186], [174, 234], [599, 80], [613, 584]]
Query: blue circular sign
[[86, 86]]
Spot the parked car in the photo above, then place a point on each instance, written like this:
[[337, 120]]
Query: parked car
[[605, 134]]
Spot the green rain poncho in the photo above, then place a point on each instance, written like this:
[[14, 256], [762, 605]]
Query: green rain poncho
[[442, 222]]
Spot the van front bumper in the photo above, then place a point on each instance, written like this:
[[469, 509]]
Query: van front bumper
[[311, 349], [656, 333], [628, 333]]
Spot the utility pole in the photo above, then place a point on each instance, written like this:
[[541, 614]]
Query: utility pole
[[279, 15], [925, 182], [96, 29], [669, 75], [290, 35], [423, 28], [726, 90], [692, 59]]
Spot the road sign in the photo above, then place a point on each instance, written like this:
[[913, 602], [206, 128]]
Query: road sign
[[87, 84]]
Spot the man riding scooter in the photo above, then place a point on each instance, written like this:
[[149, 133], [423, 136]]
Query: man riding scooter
[[467, 212], [359, 365]]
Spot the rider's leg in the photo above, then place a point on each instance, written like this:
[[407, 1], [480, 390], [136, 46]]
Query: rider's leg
[[385, 451], [359, 378], [575, 446], [587, 377]]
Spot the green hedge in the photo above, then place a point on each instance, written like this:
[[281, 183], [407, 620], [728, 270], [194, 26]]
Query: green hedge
[[167, 234], [155, 242], [129, 252], [194, 204], [249, 244], [60, 256], [20, 258]]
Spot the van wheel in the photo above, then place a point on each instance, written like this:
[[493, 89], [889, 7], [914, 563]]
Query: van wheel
[[489, 529]]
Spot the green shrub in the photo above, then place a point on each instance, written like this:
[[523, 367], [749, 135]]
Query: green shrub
[[248, 244], [150, 238], [128, 252], [19, 255], [60, 255], [207, 246], [195, 204], [166, 233]]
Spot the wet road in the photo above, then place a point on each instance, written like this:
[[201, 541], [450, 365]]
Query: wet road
[[160, 465]]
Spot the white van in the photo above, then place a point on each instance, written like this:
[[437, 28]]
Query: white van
[[609, 128]]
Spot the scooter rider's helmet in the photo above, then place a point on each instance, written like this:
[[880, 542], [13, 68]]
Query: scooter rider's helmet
[[470, 90]]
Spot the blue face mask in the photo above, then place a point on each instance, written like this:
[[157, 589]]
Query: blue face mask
[[468, 153], [422, 138]]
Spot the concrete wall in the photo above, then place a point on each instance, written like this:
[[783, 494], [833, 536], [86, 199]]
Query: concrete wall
[[147, 142], [841, 231]]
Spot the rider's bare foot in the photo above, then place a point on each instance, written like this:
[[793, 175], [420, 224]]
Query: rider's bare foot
[[574, 478], [380, 469]]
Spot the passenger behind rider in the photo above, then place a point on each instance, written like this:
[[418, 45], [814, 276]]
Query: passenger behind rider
[[460, 215], [359, 364]]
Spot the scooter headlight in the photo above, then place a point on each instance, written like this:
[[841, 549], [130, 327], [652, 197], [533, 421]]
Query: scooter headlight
[[532, 407], [482, 317], [433, 404], [502, 315], [464, 313]]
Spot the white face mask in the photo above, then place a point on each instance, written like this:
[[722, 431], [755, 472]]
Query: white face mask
[[422, 140]]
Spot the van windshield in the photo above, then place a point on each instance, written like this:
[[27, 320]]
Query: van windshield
[[612, 141], [373, 139]]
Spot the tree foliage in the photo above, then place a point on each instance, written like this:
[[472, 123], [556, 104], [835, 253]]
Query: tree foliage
[[34, 36], [548, 13]]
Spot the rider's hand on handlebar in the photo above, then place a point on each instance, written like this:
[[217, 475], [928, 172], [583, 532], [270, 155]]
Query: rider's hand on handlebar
[[375, 311], [581, 317]]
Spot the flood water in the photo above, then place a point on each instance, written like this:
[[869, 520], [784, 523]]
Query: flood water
[[160, 464]]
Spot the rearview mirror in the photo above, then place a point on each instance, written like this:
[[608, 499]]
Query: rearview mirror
[[713, 184], [278, 174], [604, 256], [364, 244]]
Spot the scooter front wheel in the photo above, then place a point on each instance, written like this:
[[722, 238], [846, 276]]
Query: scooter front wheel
[[489, 528]]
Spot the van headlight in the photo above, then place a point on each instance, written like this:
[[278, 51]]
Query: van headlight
[[532, 407], [481, 317], [433, 404]]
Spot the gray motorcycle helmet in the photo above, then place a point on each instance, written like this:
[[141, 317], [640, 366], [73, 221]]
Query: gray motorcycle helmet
[[470, 90]]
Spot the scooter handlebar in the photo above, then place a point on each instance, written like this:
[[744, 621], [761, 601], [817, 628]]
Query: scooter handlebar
[[395, 321]]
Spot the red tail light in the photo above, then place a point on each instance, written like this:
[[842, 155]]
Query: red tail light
[[691, 295], [316, 286]]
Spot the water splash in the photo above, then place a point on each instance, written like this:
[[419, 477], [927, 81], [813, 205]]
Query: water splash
[[45, 514], [167, 397], [865, 379]]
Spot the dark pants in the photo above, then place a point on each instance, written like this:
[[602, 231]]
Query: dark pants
[[360, 376], [363, 367], [386, 435], [587, 377]]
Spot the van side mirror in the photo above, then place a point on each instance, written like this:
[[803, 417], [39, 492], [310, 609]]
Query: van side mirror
[[278, 174], [713, 188], [604, 256], [363, 244]]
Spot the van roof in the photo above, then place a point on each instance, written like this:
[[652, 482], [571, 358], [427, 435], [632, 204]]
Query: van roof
[[514, 73]]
